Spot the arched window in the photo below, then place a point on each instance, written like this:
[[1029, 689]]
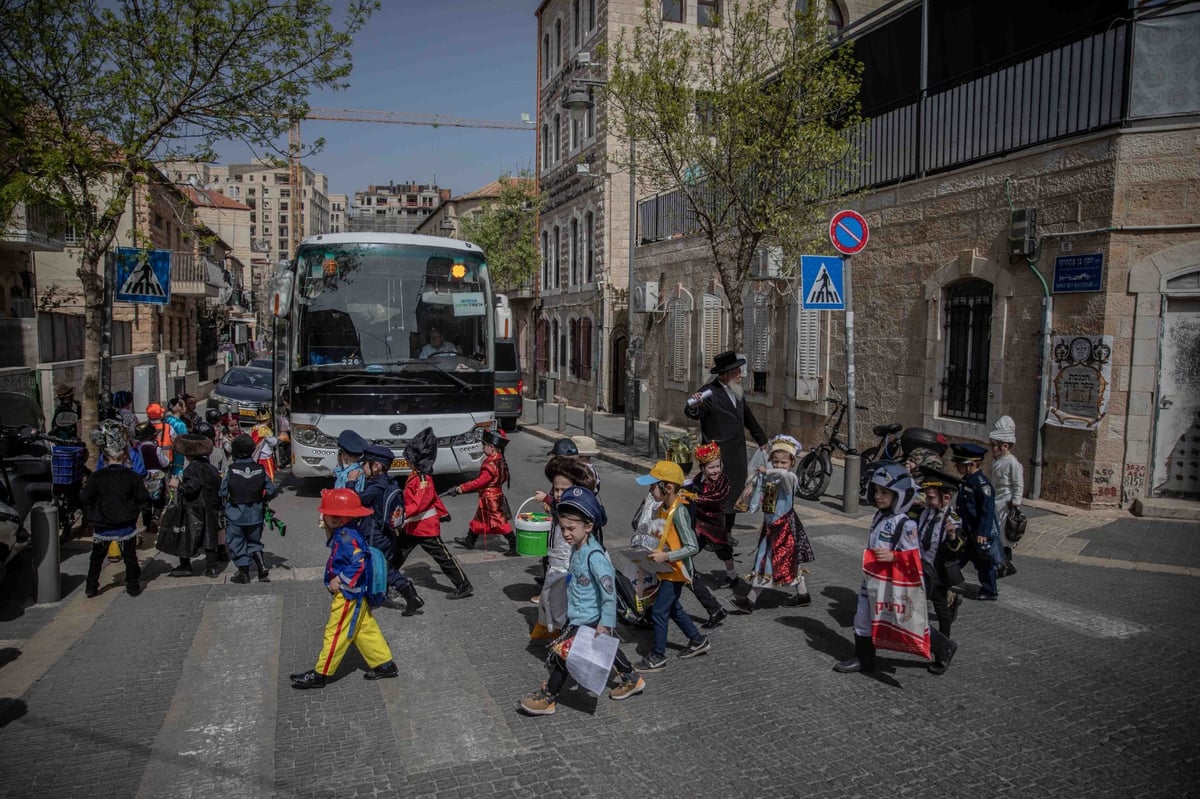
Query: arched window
[[574, 262], [558, 153], [558, 48], [545, 56], [555, 349], [576, 25], [968, 323], [556, 258], [545, 260], [585, 349], [542, 342], [589, 245]]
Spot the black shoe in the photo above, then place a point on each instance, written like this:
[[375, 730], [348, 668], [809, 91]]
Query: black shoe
[[382, 671], [90, 592], [728, 582], [743, 605], [512, 552], [940, 666], [715, 619], [308, 679], [849, 666], [651, 663], [954, 606], [1010, 569], [222, 554], [412, 601], [465, 543], [798, 601], [133, 590], [985, 597], [733, 542], [242, 577], [464, 592], [695, 648], [260, 565], [211, 571], [182, 571]]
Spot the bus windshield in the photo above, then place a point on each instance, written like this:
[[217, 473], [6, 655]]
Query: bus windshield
[[382, 304]]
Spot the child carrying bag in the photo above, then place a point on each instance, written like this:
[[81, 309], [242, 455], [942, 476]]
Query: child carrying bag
[[377, 577], [896, 591]]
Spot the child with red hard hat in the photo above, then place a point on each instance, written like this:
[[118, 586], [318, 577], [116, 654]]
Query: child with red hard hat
[[347, 578]]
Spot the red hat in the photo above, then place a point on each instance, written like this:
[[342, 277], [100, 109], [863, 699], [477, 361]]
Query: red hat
[[341, 502], [154, 411]]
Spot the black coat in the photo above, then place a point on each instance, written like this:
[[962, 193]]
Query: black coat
[[724, 423], [200, 489]]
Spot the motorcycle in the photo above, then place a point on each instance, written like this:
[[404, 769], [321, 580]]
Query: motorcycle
[[25, 480]]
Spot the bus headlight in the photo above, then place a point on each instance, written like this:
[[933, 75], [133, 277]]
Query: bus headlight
[[472, 436], [310, 436]]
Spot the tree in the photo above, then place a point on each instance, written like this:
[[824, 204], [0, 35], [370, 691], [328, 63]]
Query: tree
[[506, 229], [102, 89], [748, 119]]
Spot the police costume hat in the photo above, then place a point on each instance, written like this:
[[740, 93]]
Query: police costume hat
[[379, 454], [582, 501], [352, 442], [929, 477], [421, 452], [726, 362], [193, 445], [967, 453], [242, 446], [564, 447], [496, 438]]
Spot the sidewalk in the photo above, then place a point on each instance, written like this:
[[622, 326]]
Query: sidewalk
[[1113, 539]]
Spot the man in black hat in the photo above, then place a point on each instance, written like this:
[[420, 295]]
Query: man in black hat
[[976, 507], [724, 416]]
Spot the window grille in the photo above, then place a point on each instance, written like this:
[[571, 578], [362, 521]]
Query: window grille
[[679, 338], [968, 322]]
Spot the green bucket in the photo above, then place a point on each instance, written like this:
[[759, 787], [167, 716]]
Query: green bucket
[[532, 531]]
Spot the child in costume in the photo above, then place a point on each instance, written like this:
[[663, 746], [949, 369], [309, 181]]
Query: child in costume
[[112, 498], [707, 492], [200, 487], [676, 546], [347, 574], [591, 601], [937, 529], [892, 491], [563, 472], [377, 530], [1008, 480], [264, 440], [493, 516], [782, 543], [423, 511], [976, 507], [349, 473], [246, 488]]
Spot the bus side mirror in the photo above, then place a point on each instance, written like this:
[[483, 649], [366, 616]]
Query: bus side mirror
[[281, 294]]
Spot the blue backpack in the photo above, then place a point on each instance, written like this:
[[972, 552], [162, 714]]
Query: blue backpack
[[377, 585]]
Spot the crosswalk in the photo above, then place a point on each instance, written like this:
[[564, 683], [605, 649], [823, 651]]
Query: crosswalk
[[1063, 614]]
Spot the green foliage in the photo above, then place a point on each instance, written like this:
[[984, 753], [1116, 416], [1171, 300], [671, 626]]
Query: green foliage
[[506, 229], [95, 91], [747, 118]]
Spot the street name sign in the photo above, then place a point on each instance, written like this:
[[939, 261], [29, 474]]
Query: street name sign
[[1079, 273]]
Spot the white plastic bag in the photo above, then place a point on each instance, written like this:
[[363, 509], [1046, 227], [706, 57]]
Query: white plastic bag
[[591, 657]]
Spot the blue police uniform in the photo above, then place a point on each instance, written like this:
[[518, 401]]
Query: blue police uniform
[[976, 506]]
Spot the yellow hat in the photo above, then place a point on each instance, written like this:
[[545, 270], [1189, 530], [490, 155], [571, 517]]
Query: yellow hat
[[665, 472]]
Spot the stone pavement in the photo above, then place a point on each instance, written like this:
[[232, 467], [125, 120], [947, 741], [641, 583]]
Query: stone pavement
[[1077, 682], [1114, 539]]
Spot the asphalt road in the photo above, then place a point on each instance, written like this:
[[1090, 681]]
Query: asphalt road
[[1079, 681]]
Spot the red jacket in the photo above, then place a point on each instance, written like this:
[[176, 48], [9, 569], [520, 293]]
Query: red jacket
[[423, 509]]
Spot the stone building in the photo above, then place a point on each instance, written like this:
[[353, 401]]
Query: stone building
[[394, 208], [1056, 165]]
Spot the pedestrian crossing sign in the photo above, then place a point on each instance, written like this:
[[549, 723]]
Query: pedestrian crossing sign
[[822, 283], [143, 276]]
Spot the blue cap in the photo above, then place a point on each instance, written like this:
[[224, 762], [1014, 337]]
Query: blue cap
[[351, 442], [564, 447], [581, 500], [379, 454], [964, 453]]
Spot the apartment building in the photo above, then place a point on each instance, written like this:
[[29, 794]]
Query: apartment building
[[394, 208], [338, 205], [1032, 192]]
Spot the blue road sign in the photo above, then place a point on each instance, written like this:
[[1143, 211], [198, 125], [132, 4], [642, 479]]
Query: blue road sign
[[1078, 273], [822, 283], [848, 232], [143, 276]]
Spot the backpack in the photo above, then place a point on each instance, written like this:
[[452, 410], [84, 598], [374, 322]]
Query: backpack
[[377, 585], [393, 509]]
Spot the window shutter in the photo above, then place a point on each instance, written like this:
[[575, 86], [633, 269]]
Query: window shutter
[[760, 345], [808, 354], [585, 338], [712, 337], [677, 312], [543, 345]]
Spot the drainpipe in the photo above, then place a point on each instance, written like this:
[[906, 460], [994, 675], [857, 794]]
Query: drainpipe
[[1035, 489]]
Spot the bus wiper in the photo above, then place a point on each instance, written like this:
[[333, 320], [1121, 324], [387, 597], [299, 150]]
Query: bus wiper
[[371, 375]]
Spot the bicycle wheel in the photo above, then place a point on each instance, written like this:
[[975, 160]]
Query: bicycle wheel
[[66, 520], [813, 476]]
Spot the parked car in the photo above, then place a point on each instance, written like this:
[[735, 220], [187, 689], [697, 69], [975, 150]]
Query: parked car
[[265, 361], [243, 389], [509, 385]]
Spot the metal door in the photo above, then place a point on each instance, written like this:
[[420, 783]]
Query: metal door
[[1177, 432]]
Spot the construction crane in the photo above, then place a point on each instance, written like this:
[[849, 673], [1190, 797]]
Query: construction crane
[[296, 176]]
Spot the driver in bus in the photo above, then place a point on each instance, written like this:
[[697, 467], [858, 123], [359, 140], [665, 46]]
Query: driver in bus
[[438, 342]]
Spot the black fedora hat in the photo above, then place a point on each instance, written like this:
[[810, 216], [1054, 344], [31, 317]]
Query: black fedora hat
[[725, 362]]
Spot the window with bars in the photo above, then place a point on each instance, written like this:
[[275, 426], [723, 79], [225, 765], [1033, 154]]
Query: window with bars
[[968, 323], [712, 323], [679, 338], [757, 334]]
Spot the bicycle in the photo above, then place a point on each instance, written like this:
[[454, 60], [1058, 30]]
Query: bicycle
[[817, 466]]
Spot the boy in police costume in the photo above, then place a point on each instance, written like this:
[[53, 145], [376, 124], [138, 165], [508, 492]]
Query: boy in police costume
[[976, 506], [246, 488]]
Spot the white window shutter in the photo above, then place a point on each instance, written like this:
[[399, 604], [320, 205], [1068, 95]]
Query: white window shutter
[[808, 354], [760, 344], [713, 335], [677, 313]]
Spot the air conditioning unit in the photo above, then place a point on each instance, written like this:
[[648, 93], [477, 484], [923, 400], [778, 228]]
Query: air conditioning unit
[[767, 263], [645, 297]]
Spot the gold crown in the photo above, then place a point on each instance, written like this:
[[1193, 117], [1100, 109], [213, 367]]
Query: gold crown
[[707, 453]]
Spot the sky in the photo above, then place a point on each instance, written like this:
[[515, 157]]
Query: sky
[[475, 59]]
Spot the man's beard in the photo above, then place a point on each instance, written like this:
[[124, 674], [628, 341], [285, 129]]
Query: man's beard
[[736, 388]]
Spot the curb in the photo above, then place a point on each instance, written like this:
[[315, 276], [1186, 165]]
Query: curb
[[630, 462]]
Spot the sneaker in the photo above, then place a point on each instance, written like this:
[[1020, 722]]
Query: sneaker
[[695, 648], [984, 597], [540, 704], [536, 599], [633, 684], [652, 663], [308, 679], [798, 601], [715, 619], [382, 671], [464, 592], [464, 543], [727, 582]]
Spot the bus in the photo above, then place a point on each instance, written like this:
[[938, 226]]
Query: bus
[[387, 334]]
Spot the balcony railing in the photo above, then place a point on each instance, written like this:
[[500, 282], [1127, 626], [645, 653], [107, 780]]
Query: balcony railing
[[34, 227], [1084, 86], [192, 276]]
